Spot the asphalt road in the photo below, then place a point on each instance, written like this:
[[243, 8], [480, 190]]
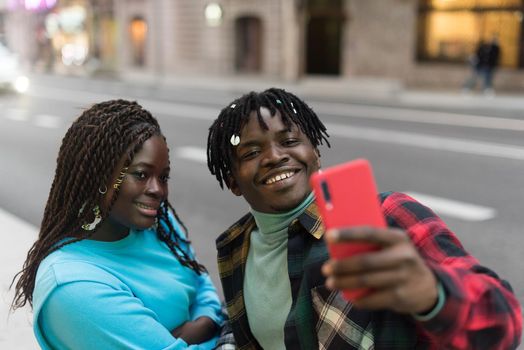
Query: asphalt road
[[467, 165]]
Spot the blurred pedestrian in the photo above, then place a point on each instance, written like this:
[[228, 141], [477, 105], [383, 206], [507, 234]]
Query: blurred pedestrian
[[282, 290], [484, 63], [112, 267]]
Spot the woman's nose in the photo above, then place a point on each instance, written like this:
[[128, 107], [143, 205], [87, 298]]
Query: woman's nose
[[156, 187]]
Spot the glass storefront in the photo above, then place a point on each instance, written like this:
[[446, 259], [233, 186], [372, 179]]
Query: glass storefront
[[450, 30]]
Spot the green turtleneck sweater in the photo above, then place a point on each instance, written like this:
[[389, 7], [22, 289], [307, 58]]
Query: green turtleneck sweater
[[267, 290]]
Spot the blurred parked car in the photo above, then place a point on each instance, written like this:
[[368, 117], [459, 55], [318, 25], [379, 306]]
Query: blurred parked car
[[11, 76]]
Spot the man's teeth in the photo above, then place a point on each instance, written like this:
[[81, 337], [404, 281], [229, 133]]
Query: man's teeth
[[140, 205], [279, 177]]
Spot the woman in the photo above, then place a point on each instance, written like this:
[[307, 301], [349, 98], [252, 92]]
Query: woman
[[112, 268]]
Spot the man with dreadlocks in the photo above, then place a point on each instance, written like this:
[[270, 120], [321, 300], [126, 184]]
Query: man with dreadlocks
[[112, 267], [281, 289]]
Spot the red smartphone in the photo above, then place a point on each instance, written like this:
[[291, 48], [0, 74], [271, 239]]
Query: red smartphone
[[346, 196]]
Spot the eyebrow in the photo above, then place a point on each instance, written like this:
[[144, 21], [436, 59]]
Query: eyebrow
[[147, 165], [255, 142]]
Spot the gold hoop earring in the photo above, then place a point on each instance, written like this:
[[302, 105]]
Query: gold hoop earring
[[102, 191], [92, 225]]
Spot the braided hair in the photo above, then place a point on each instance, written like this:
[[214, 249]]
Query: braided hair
[[233, 117], [91, 149]]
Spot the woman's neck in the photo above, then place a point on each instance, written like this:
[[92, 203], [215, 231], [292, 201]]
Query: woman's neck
[[110, 231]]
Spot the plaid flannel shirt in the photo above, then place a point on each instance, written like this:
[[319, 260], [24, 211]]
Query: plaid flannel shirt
[[480, 311]]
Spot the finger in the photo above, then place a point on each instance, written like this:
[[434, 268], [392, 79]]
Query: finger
[[389, 298], [374, 280], [399, 256], [379, 236]]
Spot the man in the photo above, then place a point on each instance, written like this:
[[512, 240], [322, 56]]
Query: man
[[484, 64], [281, 289], [488, 61]]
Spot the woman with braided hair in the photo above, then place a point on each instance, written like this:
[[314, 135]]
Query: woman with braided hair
[[112, 267]]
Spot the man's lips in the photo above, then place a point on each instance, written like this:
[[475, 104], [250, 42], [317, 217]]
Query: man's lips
[[279, 176]]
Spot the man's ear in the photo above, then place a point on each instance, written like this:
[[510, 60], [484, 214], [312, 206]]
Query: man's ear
[[233, 186], [318, 158]]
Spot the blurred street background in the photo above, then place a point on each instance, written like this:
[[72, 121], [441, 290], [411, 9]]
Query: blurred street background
[[385, 76]]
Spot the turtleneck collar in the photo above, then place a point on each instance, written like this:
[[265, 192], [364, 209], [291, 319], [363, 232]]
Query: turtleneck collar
[[273, 223]]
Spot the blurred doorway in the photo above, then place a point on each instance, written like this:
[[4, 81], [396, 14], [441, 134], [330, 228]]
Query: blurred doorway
[[138, 36], [324, 25], [248, 44]]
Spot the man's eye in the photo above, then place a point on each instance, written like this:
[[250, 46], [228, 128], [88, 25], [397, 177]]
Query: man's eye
[[290, 142], [250, 154]]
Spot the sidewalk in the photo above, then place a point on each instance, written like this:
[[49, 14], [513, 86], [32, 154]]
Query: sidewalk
[[16, 330]]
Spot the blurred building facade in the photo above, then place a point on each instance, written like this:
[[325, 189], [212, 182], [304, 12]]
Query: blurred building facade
[[416, 42]]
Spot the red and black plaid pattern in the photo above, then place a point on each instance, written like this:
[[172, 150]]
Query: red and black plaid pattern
[[480, 311]]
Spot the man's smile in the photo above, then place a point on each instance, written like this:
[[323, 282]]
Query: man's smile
[[279, 177]]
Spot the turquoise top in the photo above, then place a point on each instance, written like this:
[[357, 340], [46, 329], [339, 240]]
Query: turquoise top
[[267, 270], [128, 294]]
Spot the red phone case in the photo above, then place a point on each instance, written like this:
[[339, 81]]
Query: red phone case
[[351, 200]]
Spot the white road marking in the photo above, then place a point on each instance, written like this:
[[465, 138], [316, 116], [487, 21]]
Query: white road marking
[[481, 148], [418, 116], [16, 114], [195, 154], [339, 109], [442, 206], [427, 141], [47, 121], [455, 209]]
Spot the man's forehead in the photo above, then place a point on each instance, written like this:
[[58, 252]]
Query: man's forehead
[[275, 119]]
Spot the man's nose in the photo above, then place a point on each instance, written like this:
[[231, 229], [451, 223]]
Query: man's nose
[[274, 155]]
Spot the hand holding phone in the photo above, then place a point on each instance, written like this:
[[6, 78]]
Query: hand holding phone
[[346, 195]]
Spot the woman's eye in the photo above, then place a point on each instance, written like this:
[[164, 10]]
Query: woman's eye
[[165, 178], [139, 175]]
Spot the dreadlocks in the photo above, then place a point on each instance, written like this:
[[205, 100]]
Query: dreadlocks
[[234, 116], [91, 149]]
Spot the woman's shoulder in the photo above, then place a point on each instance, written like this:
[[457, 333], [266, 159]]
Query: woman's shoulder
[[63, 267]]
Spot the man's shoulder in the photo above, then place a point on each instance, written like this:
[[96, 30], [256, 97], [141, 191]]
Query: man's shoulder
[[392, 198], [236, 231]]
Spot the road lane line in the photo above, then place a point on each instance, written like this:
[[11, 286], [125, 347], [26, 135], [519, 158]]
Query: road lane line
[[427, 141], [418, 116], [371, 134], [47, 121], [16, 114], [455, 209], [442, 206], [195, 154], [332, 108]]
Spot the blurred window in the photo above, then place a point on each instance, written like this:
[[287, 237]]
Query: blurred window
[[450, 30], [138, 35]]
